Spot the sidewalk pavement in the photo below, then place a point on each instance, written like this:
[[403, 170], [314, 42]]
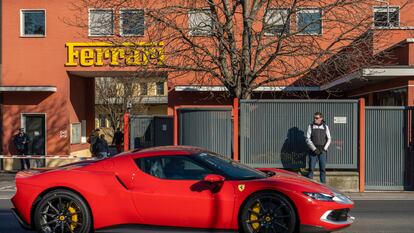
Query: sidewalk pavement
[[7, 181]]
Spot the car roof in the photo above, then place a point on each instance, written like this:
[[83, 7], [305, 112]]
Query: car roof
[[167, 150]]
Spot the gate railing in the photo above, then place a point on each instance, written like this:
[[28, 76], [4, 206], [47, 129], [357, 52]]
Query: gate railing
[[388, 135], [272, 132]]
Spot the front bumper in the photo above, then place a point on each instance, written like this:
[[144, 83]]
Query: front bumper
[[338, 217], [323, 216]]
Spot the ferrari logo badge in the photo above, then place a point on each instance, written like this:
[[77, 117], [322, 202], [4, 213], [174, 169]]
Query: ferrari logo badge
[[241, 187]]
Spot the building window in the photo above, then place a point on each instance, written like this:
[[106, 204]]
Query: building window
[[143, 89], [101, 22], [33, 23], [160, 88], [395, 97], [309, 21], [385, 17], [275, 22], [200, 23], [132, 22]]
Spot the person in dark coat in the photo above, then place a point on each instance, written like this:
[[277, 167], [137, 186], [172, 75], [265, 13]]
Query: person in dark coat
[[21, 142], [92, 140], [101, 147], [117, 140]]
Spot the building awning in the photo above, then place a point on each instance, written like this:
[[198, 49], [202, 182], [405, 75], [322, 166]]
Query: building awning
[[260, 89], [369, 76], [360, 78], [138, 100], [28, 89]]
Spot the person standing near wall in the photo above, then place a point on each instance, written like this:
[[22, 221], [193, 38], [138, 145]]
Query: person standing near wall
[[92, 140], [318, 139], [117, 140], [101, 147], [21, 142]]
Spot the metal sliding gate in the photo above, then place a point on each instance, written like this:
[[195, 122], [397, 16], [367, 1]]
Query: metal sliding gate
[[386, 150], [150, 131], [210, 128], [272, 132]]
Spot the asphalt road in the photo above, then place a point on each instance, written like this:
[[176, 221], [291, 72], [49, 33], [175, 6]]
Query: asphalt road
[[371, 216]]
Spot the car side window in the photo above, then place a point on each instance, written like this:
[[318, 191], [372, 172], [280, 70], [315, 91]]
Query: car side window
[[173, 167]]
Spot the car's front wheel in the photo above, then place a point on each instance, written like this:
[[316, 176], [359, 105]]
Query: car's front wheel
[[267, 213], [62, 211]]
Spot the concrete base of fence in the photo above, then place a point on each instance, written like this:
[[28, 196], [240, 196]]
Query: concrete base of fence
[[11, 164], [343, 181]]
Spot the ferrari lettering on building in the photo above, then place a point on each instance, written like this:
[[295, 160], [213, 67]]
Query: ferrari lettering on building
[[109, 54]]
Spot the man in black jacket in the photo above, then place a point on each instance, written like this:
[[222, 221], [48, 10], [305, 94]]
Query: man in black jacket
[[92, 140], [21, 142], [117, 140], [318, 138], [101, 147]]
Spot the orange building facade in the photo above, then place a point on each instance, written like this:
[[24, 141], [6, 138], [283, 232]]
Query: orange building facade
[[49, 66]]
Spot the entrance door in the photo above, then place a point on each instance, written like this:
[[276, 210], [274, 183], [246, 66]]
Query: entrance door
[[34, 125]]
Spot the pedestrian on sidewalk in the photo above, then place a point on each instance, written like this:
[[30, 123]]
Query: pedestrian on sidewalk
[[21, 143], [117, 140], [101, 147], [318, 139], [92, 140]]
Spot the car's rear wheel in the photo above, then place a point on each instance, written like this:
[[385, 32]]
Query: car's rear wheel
[[62, 211], [268, 213]]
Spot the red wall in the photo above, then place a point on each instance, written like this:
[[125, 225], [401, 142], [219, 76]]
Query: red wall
[[40, 61]]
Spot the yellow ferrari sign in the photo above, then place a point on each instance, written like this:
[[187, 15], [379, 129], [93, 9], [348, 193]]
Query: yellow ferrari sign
[[123, 54], [241, 187]]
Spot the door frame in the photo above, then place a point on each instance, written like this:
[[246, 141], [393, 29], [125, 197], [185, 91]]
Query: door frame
[[23, 123]]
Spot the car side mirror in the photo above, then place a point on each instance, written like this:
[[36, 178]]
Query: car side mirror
[[213, 178]]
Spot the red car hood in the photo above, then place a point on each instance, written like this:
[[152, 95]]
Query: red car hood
[[290, 178]]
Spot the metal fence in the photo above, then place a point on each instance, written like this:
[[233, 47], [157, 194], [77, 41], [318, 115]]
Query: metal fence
[[272, 132], [210, 128], [149, 131], [385, 147]]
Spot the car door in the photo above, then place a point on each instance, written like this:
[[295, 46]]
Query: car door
[[170, 190]]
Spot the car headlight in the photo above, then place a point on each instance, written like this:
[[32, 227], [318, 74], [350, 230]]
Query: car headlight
[[320, 196], [342, 199], [337, 197]]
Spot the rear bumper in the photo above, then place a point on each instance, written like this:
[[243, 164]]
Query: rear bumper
[[20, 220]]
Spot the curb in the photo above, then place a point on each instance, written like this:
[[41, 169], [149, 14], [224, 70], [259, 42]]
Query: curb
[[382, 196]]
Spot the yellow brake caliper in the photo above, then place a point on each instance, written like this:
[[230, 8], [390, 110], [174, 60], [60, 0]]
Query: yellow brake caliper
[[254, 216], [72, 210]]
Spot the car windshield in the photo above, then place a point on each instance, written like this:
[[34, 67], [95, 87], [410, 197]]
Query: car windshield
[[232, 169]]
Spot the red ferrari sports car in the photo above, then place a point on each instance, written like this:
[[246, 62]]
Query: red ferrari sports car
[[175, 186]]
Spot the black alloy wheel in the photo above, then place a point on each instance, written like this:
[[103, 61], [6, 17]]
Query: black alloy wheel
[[62, 211], [268, 213]]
